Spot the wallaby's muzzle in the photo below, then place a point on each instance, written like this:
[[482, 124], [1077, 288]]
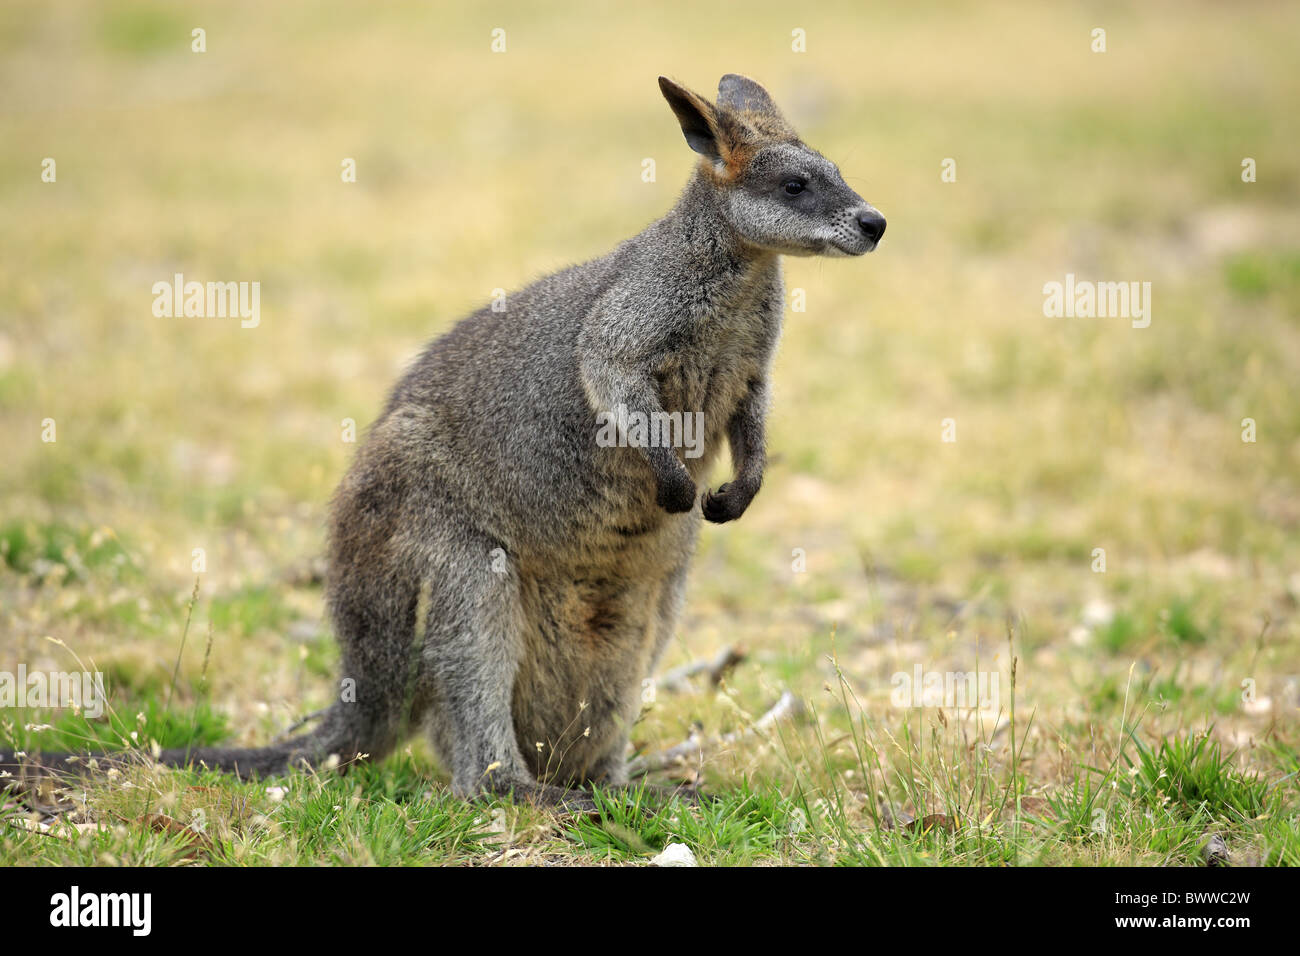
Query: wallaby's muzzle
[[855, 231], [872, 224]]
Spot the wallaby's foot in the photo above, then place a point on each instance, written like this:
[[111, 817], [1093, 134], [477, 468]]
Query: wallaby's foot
[[727, 503], [543, 795], [659, 795], [572, 801]]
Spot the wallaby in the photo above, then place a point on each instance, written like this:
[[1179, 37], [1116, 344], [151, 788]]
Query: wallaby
[[499, 575]]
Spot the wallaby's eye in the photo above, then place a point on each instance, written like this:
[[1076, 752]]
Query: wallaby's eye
[[793, 187]]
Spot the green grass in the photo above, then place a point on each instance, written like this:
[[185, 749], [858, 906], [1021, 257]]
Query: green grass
[[58, 551], [877, 795], [1190, 775], [740, 827], [122, 726]]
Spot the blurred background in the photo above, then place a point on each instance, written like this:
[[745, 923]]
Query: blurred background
[[478, 170]]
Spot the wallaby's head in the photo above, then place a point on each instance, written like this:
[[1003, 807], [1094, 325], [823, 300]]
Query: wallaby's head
[[775, 192]]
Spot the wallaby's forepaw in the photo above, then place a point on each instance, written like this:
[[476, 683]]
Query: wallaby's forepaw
[[677, 494], [727, 503]]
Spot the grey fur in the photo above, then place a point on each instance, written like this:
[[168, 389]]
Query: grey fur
[[498, 577]]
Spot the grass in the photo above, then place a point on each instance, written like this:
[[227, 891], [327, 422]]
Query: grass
[[1099, 502]]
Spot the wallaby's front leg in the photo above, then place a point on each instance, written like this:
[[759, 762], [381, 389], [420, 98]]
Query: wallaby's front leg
[[745, 434], [613, 388]]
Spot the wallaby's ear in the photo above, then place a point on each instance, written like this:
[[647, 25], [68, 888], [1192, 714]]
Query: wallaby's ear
[[698, 117], [742, 95]]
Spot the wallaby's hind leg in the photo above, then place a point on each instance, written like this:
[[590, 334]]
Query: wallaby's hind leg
[[611, 770], [378, 703], [471, 654]]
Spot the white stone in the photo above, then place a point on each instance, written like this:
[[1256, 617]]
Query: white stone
[[675, 854]]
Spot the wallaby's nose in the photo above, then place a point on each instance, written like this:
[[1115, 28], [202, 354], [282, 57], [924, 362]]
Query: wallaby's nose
[[872, 224]]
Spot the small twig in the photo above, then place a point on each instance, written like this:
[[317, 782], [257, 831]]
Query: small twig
[[696, 745], [677, 680], [301, 721]]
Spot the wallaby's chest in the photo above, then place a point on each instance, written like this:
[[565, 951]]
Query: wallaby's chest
[[729, 348]]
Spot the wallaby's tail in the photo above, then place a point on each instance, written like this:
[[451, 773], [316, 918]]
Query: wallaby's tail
[[334, 736]]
